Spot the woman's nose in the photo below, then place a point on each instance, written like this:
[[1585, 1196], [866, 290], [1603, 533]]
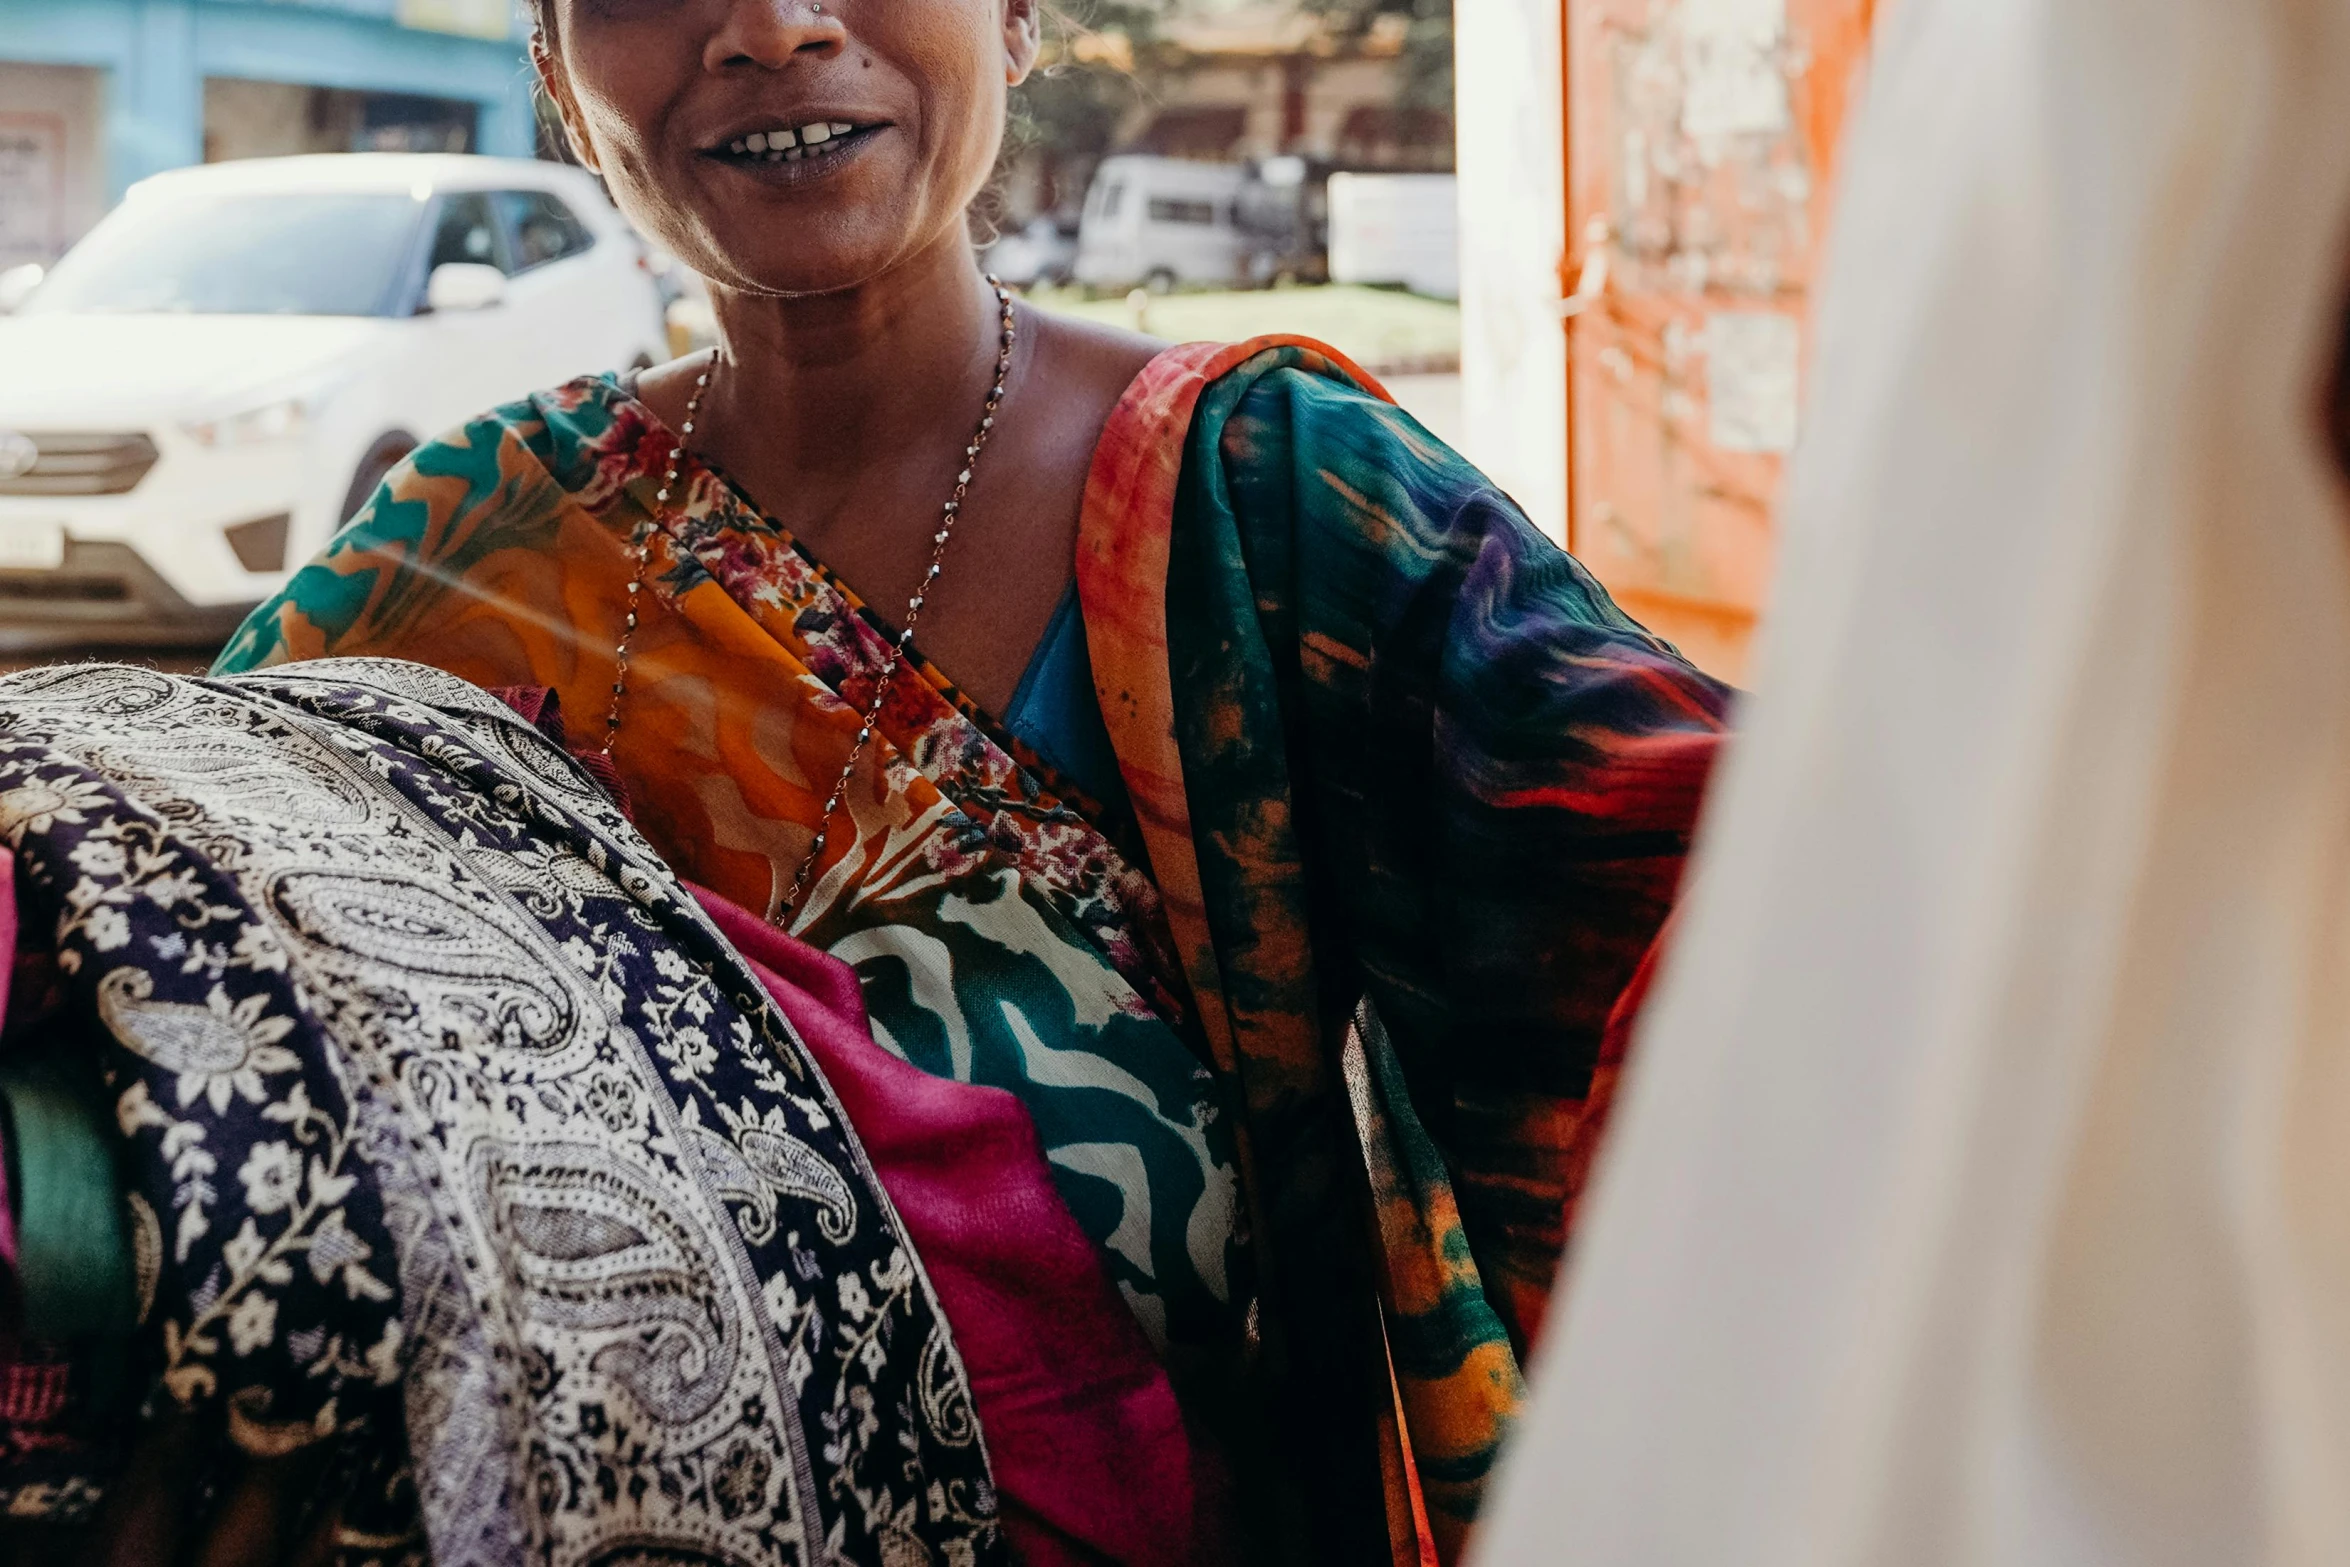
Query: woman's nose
[[770, 33]]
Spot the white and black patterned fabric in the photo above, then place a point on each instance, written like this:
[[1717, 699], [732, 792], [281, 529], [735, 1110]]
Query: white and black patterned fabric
[[446, 1109]]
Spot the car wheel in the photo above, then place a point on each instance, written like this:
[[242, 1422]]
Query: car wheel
[[381, 459], [1161, 281]]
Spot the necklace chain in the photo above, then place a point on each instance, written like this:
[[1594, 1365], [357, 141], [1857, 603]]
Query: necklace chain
[[643, 554]]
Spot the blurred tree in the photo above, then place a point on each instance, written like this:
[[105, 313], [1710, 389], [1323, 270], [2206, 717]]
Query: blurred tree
[[1427, 42]]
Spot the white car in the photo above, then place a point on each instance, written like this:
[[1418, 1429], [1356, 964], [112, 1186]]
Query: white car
[[221, 372]]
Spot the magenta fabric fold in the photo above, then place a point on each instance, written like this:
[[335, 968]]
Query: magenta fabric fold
[[1091, 1459]]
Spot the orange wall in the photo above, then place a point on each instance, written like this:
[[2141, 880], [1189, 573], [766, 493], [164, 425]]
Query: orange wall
[[1699, 151]]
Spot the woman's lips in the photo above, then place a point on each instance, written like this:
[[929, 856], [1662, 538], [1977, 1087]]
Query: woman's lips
[[795, 150]]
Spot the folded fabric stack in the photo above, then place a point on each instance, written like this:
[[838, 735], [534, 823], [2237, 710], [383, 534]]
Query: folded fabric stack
[[374, 1089]]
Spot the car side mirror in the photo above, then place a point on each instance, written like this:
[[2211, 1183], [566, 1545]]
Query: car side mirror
[[17, 285], [464, 285]]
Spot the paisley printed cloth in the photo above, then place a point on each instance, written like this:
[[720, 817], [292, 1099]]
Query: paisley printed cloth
[[1385, 742], [1001, 937], [365, 953]]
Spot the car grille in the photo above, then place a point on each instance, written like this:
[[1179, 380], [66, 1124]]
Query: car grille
[[82, 464], [63, 590]]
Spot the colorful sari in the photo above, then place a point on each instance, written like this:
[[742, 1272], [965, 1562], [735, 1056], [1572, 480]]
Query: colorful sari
[[1384, 744]]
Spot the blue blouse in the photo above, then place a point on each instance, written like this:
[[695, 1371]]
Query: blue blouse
[[1054, 713]]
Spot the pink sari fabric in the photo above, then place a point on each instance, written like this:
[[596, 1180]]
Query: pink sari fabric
[[1092, 1463]]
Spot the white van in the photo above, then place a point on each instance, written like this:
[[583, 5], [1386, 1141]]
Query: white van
[[1160, 222]]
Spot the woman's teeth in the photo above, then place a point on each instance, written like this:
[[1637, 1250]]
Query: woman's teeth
[[790, 146]]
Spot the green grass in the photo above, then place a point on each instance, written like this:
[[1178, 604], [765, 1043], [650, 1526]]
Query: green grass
[[1383, 330]]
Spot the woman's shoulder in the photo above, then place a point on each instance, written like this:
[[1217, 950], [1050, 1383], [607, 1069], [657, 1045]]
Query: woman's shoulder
[[1098, 352], [1274, 401], [1285, 436], [1270, 433], [1126, 383], [1178, 386], [1092, 366]]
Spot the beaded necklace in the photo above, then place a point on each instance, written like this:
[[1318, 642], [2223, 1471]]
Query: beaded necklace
[[643, 554]]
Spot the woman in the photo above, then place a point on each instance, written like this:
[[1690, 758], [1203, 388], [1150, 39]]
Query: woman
[[1264, 707]]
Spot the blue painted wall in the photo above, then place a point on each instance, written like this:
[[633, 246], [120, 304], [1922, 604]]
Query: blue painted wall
[[156, 54]]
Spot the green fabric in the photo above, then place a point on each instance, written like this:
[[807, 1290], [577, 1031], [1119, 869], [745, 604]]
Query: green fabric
[[73, 1252]]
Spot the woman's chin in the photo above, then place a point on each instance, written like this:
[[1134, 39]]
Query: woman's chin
[[810, 240], [809, 271], [823, 254]]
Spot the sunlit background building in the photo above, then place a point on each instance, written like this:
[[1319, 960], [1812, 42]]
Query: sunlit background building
[[97, 94]]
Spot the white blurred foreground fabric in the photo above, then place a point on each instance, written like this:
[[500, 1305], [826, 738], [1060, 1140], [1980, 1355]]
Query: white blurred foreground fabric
[[1982, 1192]]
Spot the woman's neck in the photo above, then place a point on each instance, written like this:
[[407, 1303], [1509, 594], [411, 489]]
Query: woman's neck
[[845, 418], [839, 390]]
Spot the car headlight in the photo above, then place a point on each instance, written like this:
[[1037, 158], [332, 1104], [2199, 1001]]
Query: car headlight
[[269, 422]]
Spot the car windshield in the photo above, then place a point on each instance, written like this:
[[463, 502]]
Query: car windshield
[[246, 253]]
